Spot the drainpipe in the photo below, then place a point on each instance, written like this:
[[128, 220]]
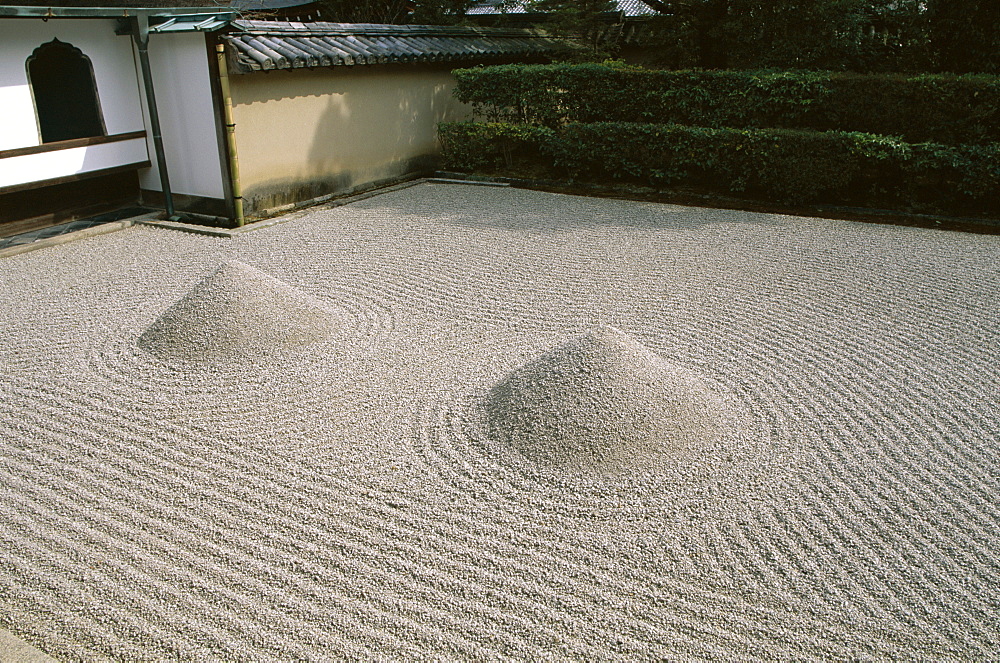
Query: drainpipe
[[140, 34], [227, 114]]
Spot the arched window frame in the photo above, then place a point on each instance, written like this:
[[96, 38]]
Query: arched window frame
[[93, 83]]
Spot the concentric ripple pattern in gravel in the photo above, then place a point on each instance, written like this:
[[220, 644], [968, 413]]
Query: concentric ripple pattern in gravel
[[348, 498]]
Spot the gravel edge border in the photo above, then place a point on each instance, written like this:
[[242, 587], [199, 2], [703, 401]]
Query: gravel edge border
[[847, 213], [284, 217], [150, 219], [93, 231]]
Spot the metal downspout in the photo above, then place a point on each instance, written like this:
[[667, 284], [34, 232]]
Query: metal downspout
[[227, 114], [140, 34]]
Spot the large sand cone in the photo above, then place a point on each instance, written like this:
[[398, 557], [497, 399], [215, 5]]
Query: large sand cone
[[602, 402], [239, 312]]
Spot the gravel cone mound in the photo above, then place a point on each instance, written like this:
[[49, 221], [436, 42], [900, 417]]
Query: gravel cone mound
[[239, 313], [602, 402]]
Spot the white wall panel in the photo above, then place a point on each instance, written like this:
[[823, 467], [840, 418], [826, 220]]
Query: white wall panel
[[61, 163], [110, 55], [187, 118]]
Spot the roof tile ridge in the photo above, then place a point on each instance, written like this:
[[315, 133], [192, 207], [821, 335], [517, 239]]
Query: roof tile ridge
[[324, 28]]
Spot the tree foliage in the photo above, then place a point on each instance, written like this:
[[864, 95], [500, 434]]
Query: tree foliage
[[576, 18], [439, 12], [433, 12], [958, 36], [717, 34], [965, 34]]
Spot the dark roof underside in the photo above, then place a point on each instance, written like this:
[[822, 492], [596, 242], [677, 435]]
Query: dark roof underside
[[242, 5], [265, 45]]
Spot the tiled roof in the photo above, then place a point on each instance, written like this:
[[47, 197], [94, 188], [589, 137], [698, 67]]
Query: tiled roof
[[263, 45], [493, 7], [636, 8]]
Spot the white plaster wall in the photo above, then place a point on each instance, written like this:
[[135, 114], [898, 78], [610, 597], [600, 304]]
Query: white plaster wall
[[110, 55], [179, 63], [60, 163]]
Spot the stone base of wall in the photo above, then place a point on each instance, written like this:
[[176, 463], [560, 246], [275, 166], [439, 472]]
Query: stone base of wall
[[283, 195], [208, 207]]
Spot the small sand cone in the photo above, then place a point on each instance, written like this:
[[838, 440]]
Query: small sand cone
[[602, 402], [239, 312]]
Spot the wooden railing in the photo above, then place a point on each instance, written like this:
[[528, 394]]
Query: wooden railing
[[23, 168], [69, 144]]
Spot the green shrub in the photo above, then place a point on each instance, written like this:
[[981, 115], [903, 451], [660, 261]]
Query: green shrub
[[471, 146], [939, 108], [921, 108], [795, 166], [779, 164]]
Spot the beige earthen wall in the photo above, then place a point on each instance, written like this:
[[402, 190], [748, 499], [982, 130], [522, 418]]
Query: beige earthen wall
[[301, 134]]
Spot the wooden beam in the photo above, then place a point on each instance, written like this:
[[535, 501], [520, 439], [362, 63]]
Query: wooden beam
[[74, 178], [70, 144]]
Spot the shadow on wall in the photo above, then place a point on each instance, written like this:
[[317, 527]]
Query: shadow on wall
[[269, 196], [335, 130]]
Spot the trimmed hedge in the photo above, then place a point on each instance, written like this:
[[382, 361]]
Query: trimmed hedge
[[795, 166], [472, 146], [939, 108]]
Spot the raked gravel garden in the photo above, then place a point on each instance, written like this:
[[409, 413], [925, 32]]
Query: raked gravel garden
[[467, 422]]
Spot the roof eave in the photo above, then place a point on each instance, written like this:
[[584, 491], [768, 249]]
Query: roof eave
[[9, 11]]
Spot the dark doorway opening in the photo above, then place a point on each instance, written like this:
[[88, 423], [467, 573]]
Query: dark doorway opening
[[62, 83]]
